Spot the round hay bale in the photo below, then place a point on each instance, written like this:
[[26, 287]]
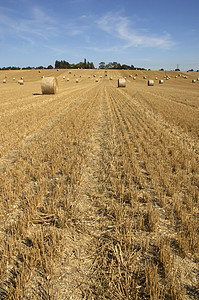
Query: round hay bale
[[121, 82], [144, 77], [67, 79], [64, 77], [96, 80], [134, 78], [161, 81], [111, 78], [156, 78], [193, 80], [150, 82], [20, 82], [197, 79], [49, 85], [13, 78], [76, 80], [4, 81], [22, 78], [130, 75]]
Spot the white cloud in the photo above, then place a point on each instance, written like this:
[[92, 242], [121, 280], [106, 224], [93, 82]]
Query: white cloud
[[121, 27]]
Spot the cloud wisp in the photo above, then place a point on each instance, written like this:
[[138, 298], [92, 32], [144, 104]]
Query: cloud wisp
[[120, 27], [29, 29]]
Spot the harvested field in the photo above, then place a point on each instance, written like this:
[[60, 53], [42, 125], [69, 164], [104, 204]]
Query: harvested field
[[99, 186]]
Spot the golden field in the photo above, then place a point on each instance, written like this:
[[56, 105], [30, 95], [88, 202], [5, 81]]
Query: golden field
[[99, 186]]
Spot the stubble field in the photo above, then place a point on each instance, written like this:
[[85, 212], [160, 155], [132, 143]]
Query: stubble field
[[99, 186]]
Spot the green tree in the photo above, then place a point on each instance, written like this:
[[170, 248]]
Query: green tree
[[102, 65]]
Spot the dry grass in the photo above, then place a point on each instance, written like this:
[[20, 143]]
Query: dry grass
[[99, 187]]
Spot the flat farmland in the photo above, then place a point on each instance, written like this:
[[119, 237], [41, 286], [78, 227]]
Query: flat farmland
[[99, 186]]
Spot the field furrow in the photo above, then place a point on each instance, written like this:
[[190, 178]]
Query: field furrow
[[99, 188]]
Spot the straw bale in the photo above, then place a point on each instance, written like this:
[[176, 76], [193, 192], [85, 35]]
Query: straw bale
[[121, 82], [49, 85], [150, 82]]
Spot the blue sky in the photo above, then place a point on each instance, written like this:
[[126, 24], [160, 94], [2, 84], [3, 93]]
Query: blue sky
[[151, 34]]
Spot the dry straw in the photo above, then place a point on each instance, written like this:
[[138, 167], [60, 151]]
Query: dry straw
[[150, 82], [49, 85], [121, 82], [20, 81]]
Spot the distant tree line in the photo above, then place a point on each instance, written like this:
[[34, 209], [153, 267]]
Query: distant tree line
[[115, 65], [26, 68], [81, 65], [84, 65]]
